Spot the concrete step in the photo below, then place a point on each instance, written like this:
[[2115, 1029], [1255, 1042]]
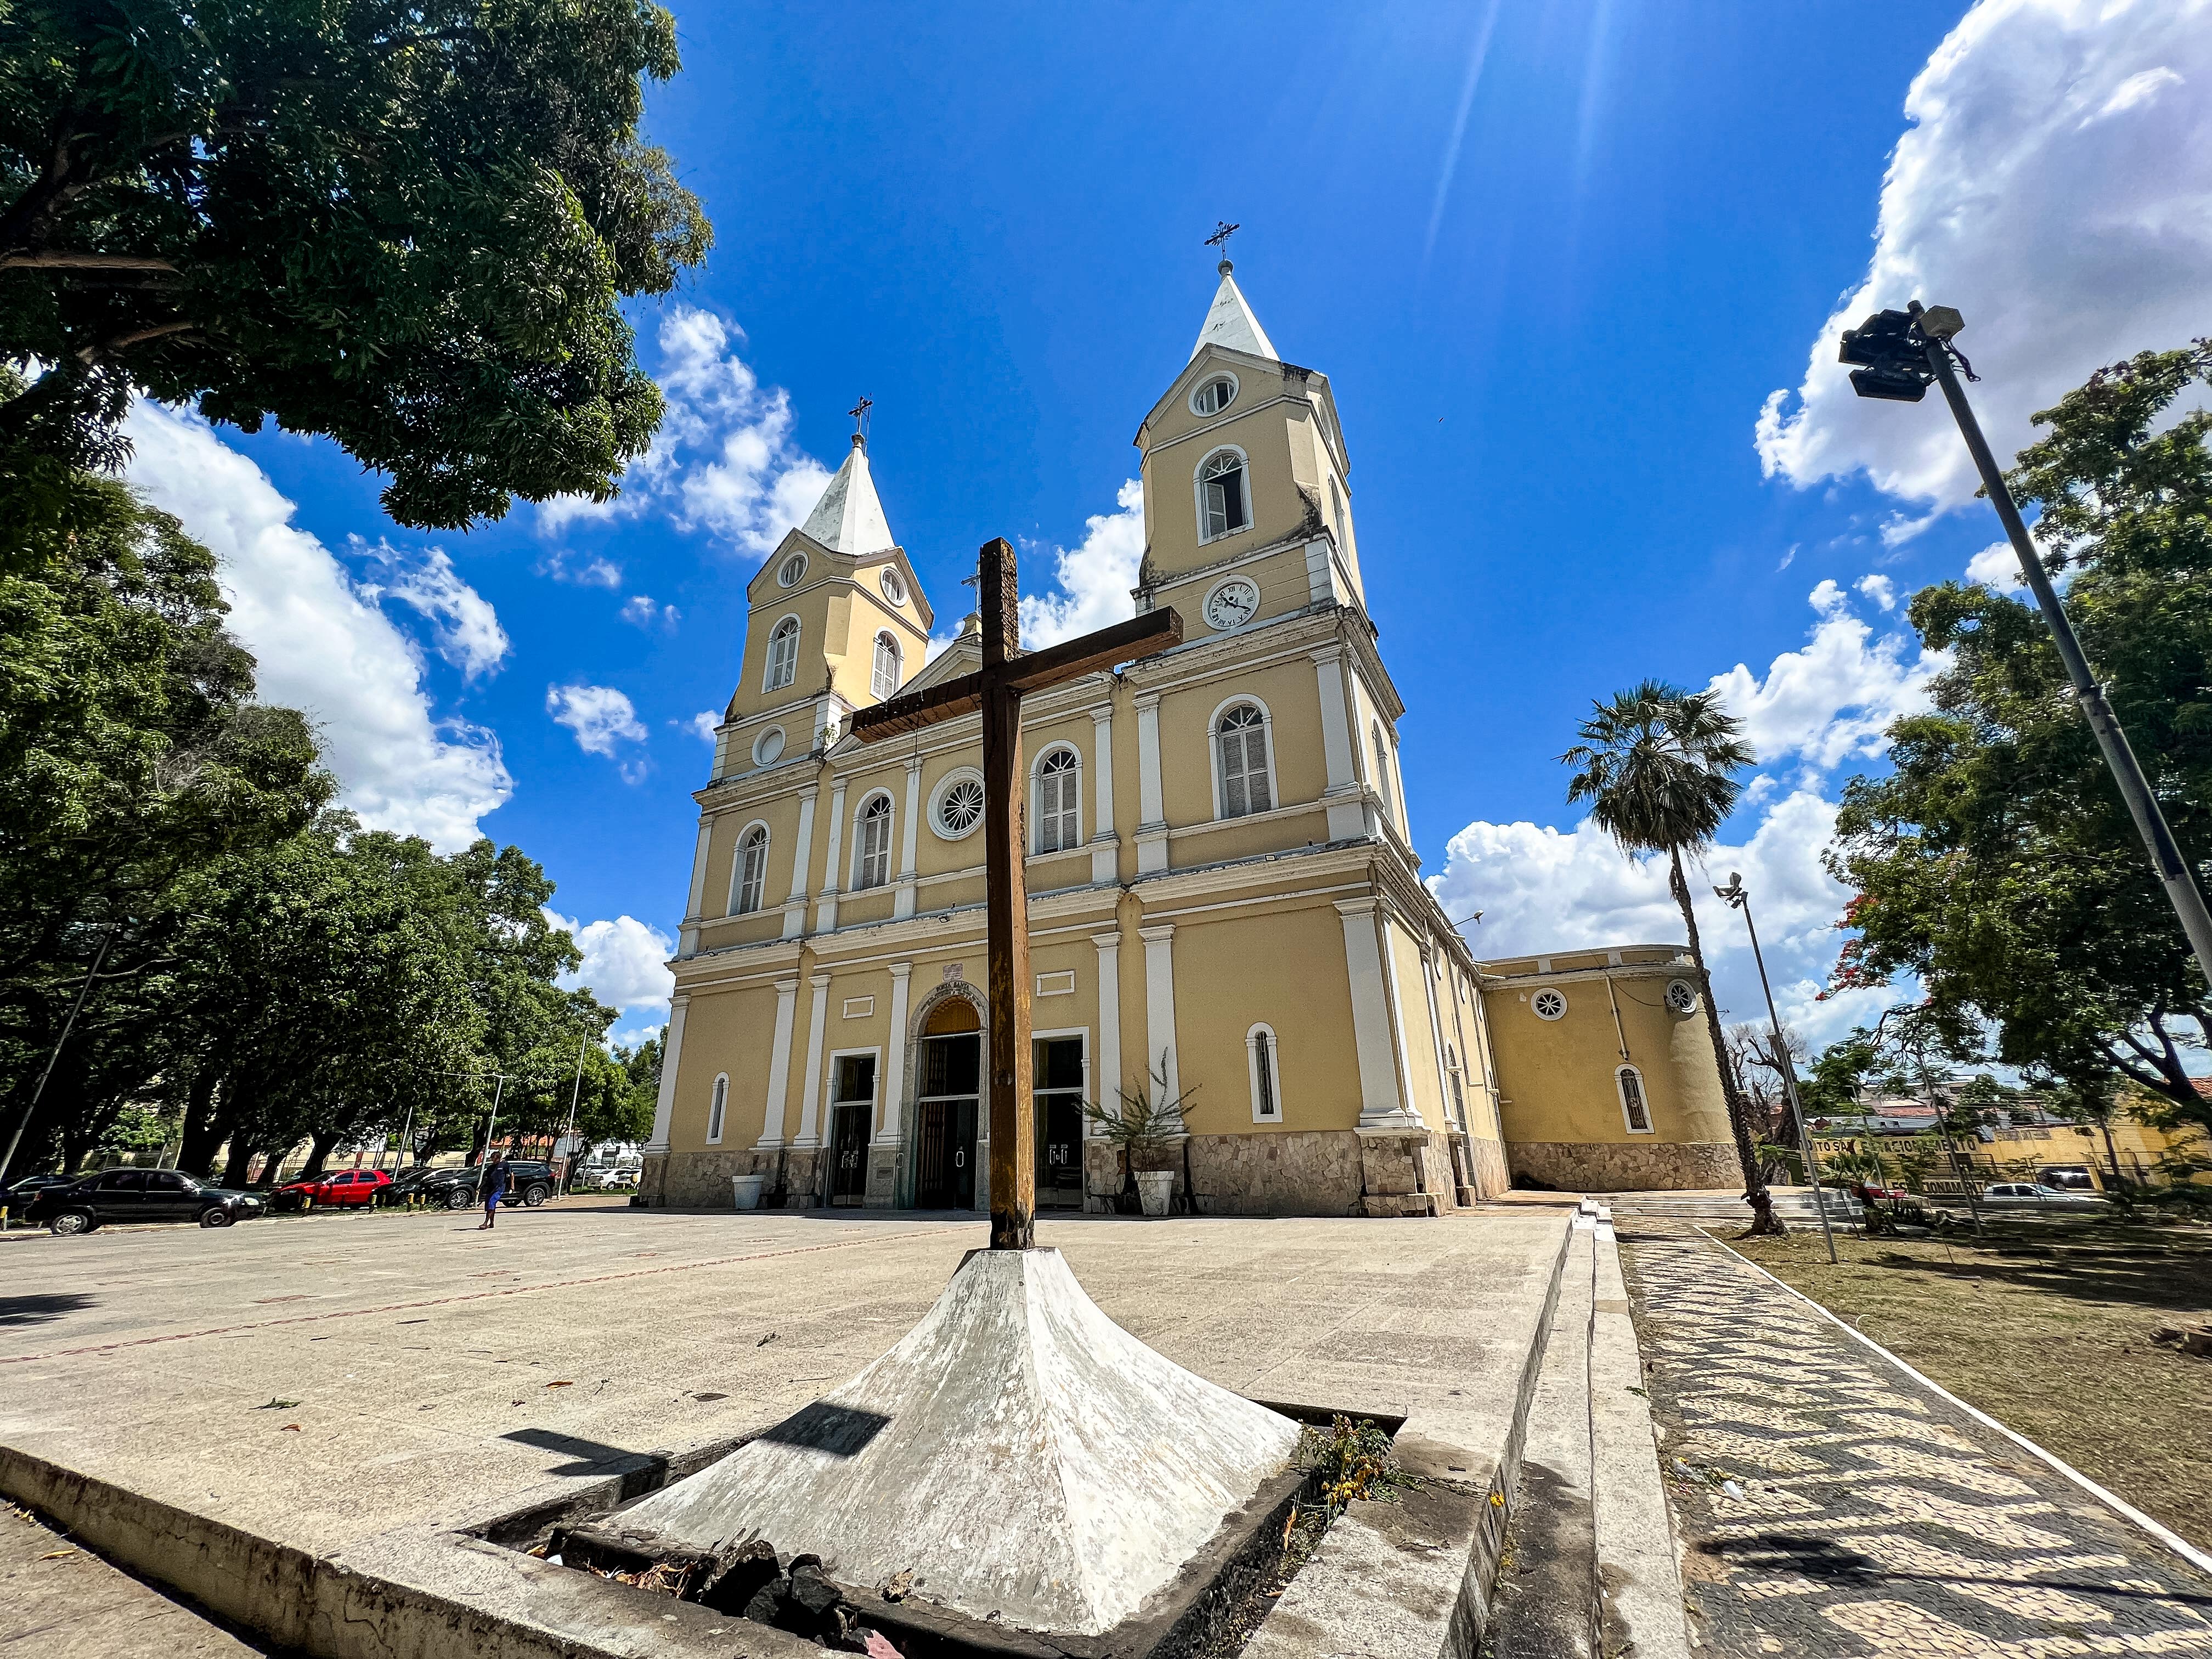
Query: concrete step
[[1791, 1205]]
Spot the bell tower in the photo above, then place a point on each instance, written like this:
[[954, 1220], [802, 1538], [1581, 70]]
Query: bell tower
[[1248, 493]]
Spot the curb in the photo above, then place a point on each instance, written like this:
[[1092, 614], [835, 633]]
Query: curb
[[2164, 1535]]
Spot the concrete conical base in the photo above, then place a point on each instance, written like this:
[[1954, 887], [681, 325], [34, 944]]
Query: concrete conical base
[[1018, 1452]]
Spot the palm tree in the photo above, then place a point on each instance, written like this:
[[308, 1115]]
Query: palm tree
[[1657, 765]]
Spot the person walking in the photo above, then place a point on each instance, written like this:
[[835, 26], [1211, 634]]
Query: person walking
[[492, 1188]]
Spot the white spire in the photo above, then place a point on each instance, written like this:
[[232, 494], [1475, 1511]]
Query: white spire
[[849, 519], [1231, 322]]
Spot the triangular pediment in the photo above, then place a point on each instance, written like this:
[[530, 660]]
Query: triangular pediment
[[963, 656], [826, 561]]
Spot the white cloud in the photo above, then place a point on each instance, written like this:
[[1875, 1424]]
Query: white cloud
[[1094, 578], [723, 460], [625, 965], [1833, 701], [1879, 589], [602, 718], [322, 645], [1996, 566], [642, 610], [2055, 185], [468, 631], [586, 570], [702, 724]]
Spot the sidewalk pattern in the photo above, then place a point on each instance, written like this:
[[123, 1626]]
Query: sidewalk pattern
[[1829, 1504]]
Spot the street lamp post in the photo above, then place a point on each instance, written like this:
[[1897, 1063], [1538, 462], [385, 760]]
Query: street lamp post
[[1735, 896], [1898, 353]]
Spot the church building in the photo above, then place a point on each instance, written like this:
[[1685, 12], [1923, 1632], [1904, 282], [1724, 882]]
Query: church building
[[1225, 907]]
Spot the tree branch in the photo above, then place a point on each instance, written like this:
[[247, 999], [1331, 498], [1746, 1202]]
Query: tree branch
[[108, 347], [65, 259]]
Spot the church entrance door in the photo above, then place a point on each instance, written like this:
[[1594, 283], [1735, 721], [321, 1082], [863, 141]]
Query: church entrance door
[[1057, 1069], [853, 1106], [947, 1108]]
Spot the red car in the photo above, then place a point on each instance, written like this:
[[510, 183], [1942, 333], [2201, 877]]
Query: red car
[[348, 1188]]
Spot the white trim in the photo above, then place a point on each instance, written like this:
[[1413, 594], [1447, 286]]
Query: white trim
[[2181, 1546], [1050, 985], [782, 742], [894, 1092], [1159, 1004], [1381, 1104], [1234, 386], [810, 1098], [671, 1056], [1057, 745], [874, 1102], [784, 564], [1541, 992], [1213, 751], [937, 799], [857, 1008], [1088, 1093], [768, 666], [853, 883], [892, 584], [1108, 946], [1198, 491], [1274, 1075], [737, 868], [1643, 1096], [884, 636], [718, 1108], [778, 1064]]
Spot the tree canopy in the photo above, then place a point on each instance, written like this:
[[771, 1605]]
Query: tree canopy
[[405, 225], [1997, 862]]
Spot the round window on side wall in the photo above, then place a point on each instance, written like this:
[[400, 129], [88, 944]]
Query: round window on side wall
[[792, 569], [1681, 996], [894, 586], [768, 747], [957, 807], [1214, 396], [1548, 1004]]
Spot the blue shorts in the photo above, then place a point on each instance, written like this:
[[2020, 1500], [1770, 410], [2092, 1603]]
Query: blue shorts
[[492, 1201]]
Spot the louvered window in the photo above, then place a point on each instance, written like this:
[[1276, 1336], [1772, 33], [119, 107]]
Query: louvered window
[[886, 681], [873, 844], [782, 655], [752, 871], [1242, 739], [1221, 488], [1059, 791]]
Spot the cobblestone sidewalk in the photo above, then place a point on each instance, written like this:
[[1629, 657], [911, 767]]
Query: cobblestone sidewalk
[[1829, 1504]]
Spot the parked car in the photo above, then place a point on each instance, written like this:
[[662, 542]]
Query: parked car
[[350, 1188], [141, 1195], [609, 1179], [17, 1199], [2068, 1178], [2036, 1192], [528, 1182]]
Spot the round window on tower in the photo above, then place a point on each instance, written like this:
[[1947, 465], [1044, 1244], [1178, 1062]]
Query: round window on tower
[[768, 746], [894, 586], [958, 806], [1681, 996], [794, 568], [1214, 395], [1548, 1004]]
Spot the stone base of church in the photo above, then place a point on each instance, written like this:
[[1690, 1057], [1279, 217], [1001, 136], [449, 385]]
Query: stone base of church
[[701, 1181], [1582, 1166]]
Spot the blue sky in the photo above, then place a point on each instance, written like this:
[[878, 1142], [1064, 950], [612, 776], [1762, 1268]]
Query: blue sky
[[1555, 260]]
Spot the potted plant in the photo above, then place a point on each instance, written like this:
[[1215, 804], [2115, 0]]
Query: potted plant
[[1145, 1127]]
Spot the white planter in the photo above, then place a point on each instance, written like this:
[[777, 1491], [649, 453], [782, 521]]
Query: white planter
[[1156, 1188], [745, 1190]]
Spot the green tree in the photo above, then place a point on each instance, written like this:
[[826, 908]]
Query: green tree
[[1657, 765], [1997, 862], [405, 225]]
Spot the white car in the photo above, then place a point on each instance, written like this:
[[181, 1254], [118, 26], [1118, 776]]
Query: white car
[[613, 1177], [2036, 1192]]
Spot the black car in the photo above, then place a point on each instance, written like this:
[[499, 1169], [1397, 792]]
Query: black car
[[528, 1182], [17, 1199], [140, 1195]]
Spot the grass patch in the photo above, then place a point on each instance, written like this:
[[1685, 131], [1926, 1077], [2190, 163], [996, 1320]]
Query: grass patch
[[2045, 1323]]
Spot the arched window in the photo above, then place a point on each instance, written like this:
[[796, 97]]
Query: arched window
[[1240, 736], [1459, 1093], [1634, 1109], [1382, 770], [1059, 801], [1336, 512], [1262, 1063], [1222, 506], [886, 681], [871, 843], [750, 872], [716, 1108], [782, 655]]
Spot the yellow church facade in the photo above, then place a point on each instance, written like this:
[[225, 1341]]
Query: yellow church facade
[[1225, 909]]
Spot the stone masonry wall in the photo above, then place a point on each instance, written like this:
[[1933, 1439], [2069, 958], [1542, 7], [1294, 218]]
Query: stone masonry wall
[[1623, 1167], [1292, 1172]]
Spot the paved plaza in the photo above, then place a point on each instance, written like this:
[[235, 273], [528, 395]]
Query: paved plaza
[[1833, 1505]]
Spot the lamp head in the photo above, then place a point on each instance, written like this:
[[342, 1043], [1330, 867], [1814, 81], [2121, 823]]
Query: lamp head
[[1890, 357]]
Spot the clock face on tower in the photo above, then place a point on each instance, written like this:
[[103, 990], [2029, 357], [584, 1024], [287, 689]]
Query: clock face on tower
[[1233, 603]]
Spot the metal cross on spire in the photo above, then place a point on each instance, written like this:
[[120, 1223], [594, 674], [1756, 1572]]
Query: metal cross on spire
[[1222, 230], [859, 413], [995, 691]]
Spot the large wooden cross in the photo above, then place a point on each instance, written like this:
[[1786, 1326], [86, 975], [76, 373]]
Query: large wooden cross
[[997, 691]]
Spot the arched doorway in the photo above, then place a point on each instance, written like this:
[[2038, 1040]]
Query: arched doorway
[[948, 1098]]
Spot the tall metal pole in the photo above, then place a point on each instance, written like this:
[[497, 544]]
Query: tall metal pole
[[84, 991], [498, 1089], [1789, 1070], [2173, 872], [575, 1092]]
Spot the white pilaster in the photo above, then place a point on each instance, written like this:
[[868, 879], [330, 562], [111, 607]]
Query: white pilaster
[[1397, 1000], [795, 908], [1381, 1097], [664, 1109], [1159, 1005], [891, 1087], [902, 904], [687, 943], [825, 913], [778, 1064], [810, 1089], [1436, 1042], [1151, 813], [1321, 575], [1106, 1074], [1347, 817], [1105, 843]]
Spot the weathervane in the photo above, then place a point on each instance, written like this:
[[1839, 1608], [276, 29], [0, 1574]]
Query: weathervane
[[1222, 230]]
